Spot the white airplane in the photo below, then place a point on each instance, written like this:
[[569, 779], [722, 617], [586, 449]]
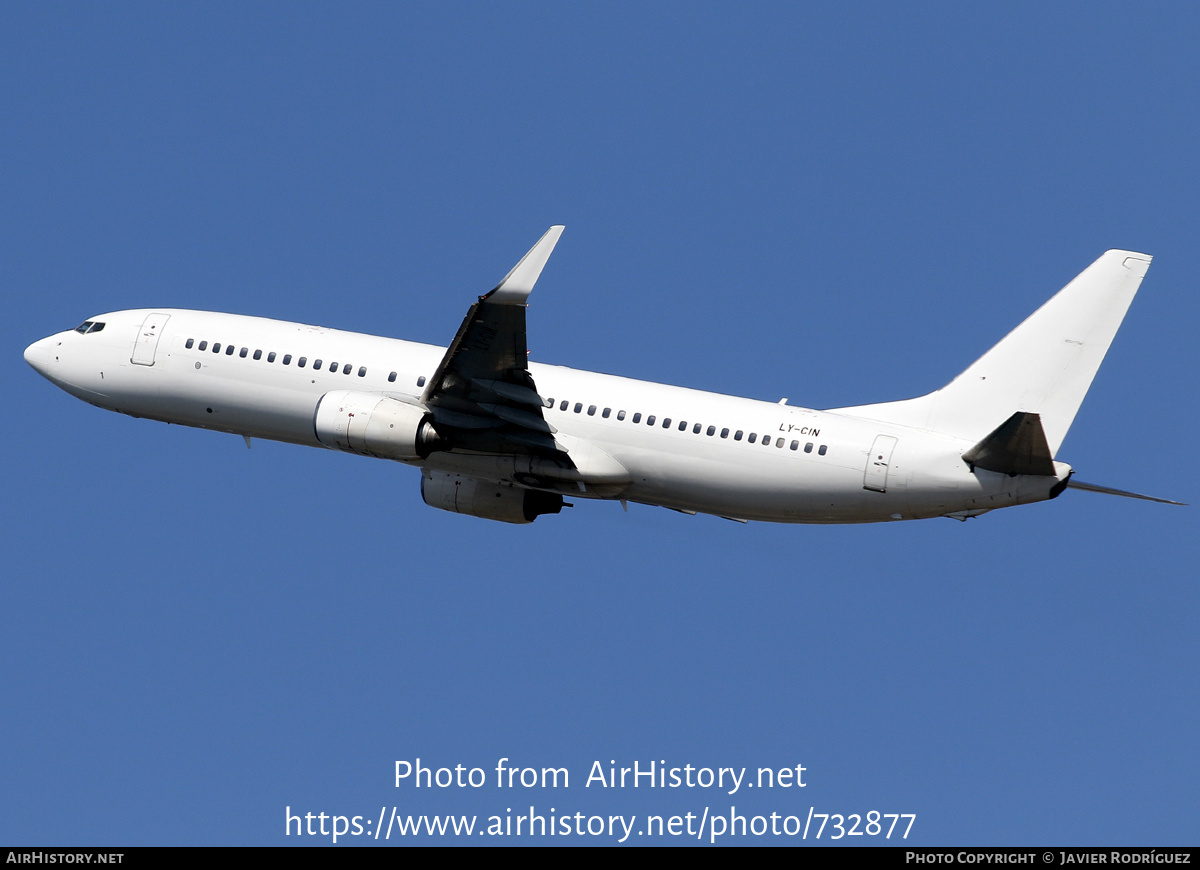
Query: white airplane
[[498, 437]]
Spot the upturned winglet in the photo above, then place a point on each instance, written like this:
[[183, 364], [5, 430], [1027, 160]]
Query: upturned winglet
[[518, 283]]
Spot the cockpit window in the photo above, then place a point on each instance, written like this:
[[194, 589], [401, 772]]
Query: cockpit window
[[89, 326]]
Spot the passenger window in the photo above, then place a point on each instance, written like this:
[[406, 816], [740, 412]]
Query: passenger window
[[190, 342], [795, 445], [563, 405], [362, 372], [724, 433], [667, 423], [347, 368], [808, 447], [683, 425], [606, 412], [591, 410], [821, 451], [650, 420], [392, 378], [242, 353], [637, 418], [711, 431], [766, 441], [216, 347], [229, 349], [258, 354], [578, 407], [620, 415], [421, 381], [271, 356], [779, 442], [287, 359], [332, 368], [316, 365], [696, 429], [737, 436], [752, 437], [300, 363], [204, 345]]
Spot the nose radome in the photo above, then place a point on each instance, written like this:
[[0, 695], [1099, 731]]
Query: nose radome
[[38, 355]]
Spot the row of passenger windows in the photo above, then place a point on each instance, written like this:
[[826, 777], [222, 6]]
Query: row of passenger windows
[[651, 419], [697, 428], [301, 362]]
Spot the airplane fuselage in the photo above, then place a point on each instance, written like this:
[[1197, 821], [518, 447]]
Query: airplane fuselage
[[631, 440]]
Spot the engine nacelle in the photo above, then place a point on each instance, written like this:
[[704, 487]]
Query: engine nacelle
[[491, 501], [374, 425]]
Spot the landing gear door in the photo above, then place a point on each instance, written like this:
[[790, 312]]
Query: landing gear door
[[876, 475], [147, 339]]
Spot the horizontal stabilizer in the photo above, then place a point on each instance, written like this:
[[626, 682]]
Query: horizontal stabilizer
[[1091, 487], [1017, 446]]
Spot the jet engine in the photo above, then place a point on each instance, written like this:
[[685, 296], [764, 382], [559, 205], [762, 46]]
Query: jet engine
[[491, 501], [374, 425]]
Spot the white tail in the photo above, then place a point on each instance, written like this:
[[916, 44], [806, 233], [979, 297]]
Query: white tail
[[1043, 367]]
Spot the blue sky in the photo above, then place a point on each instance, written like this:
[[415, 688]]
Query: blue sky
[[838, 204]]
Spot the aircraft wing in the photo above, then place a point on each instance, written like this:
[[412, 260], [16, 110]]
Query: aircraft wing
[[482, 395]]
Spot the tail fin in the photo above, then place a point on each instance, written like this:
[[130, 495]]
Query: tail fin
[[1042, 367]]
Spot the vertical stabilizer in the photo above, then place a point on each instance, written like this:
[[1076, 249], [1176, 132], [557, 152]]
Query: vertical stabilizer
[[1042, 367]]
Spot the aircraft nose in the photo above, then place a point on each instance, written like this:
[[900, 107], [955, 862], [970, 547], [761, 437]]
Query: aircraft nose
[[38, 355]]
